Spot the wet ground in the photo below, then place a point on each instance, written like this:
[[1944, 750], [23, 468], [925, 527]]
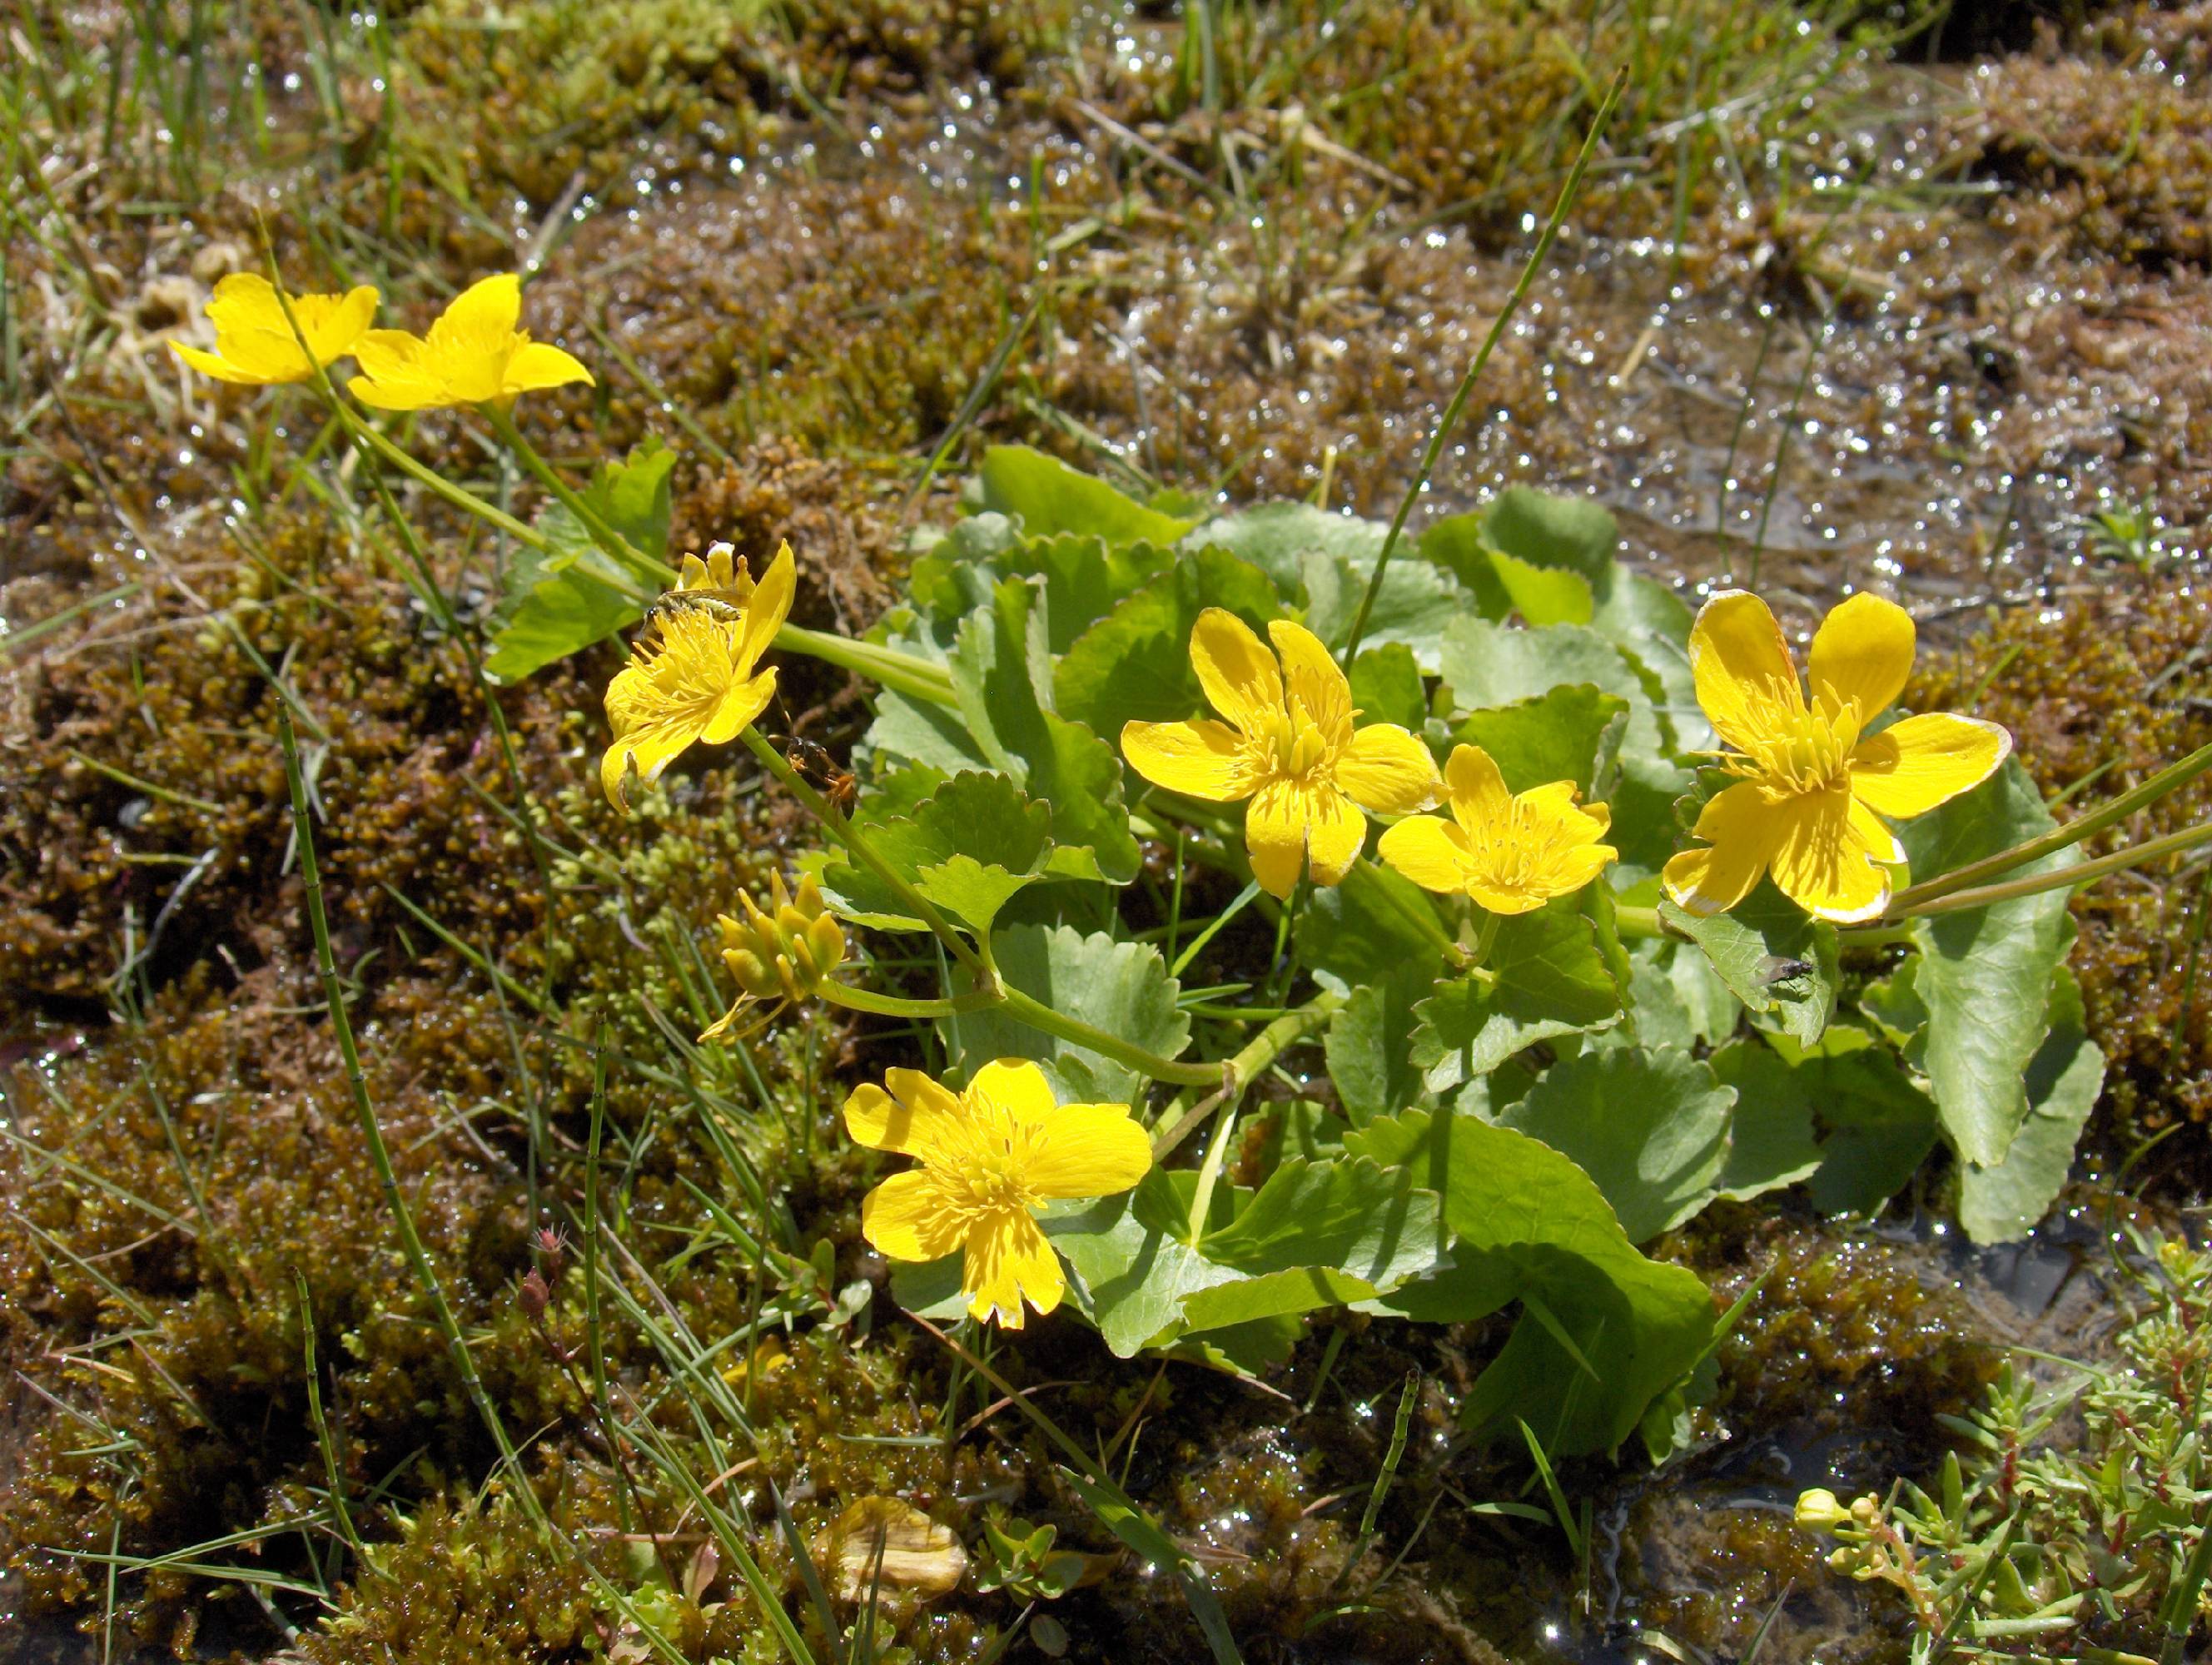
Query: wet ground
[[1852, 322]]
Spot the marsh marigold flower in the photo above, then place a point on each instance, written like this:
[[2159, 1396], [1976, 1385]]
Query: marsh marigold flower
[[474, 353], [254, 343], [1813, 785], [991, 1156], [690, 677], [1511, 853], [781, 954], [1289, 745]]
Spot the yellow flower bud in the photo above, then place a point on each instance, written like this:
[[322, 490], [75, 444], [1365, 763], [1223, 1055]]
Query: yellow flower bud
[[780, 954], [1817, 1510]]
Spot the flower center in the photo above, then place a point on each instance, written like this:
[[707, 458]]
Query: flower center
[[1810, 751], [1297, 748]]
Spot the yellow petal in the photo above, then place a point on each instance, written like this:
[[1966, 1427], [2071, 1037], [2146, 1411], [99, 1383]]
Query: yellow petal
[[222, 370], [396, 372], [1743, 829], [1825, 861], [1202, 759], [245, 300], [1311, 673], [1497, 898], [650, 731], [767, 605], [1008, 1260], [490, 307], [1275, 836], [1741, 664], [1087, 1150], [536, 365], [1336, 834], [910, 1113], [907, 1218], [1429, 850], [1917, 763], [1238, 674], [1479, 802], [907, 1113], [1389, 771], [348, 320], [1863, 654], [1016, 1086], [744, 701]]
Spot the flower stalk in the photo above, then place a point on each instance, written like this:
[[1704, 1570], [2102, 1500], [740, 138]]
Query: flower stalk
[[2167, 780], [2063, 878], [1239, 1073], [659, 573]]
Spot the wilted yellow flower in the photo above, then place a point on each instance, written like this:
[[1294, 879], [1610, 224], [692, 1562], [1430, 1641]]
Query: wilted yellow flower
[[990, 1158], [779, 954], [473, 354], [1511, 853], [1809, 806], [254, 343], [1289, 745], [691, 677]]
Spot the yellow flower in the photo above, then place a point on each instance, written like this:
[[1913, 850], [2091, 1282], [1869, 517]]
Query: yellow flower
[[691, 676], [990, 1157], [1511, 853], [1289, 745], [254, 344], [1809, 804], [473, 354], [782, 955]]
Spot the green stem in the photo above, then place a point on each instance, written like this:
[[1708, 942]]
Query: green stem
[[2181, 1600], [2064, 879], [459, 496], [659, 573], [1263, 1049], [895, 1005], [1258, 1053], [902, 673], [1485, 935], [1074, 1031], [2087, 826], [854, 840], [1638, 922], [1450, 420]]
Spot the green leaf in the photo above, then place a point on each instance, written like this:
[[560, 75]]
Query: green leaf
[[1386, 686], [1374, 923], [1876, 1124], [1369, 1045], [1085, 579], [1002, 678], [1571, 732], [633, 498], [1652, 1128], [1651, 624], [1774, 957], [2004, 1203], [1131, 1261], [958, 570], [1526, 1222], [1134, 664], [549, 612], [1123, 988], [1346, 1213], [1677, 999], [1985, 973], [560, 600], [1551, 533], [1772, 1140], [1280, 539], [1543, 595], [969, 847], [1547, 979], [1049, 498]]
